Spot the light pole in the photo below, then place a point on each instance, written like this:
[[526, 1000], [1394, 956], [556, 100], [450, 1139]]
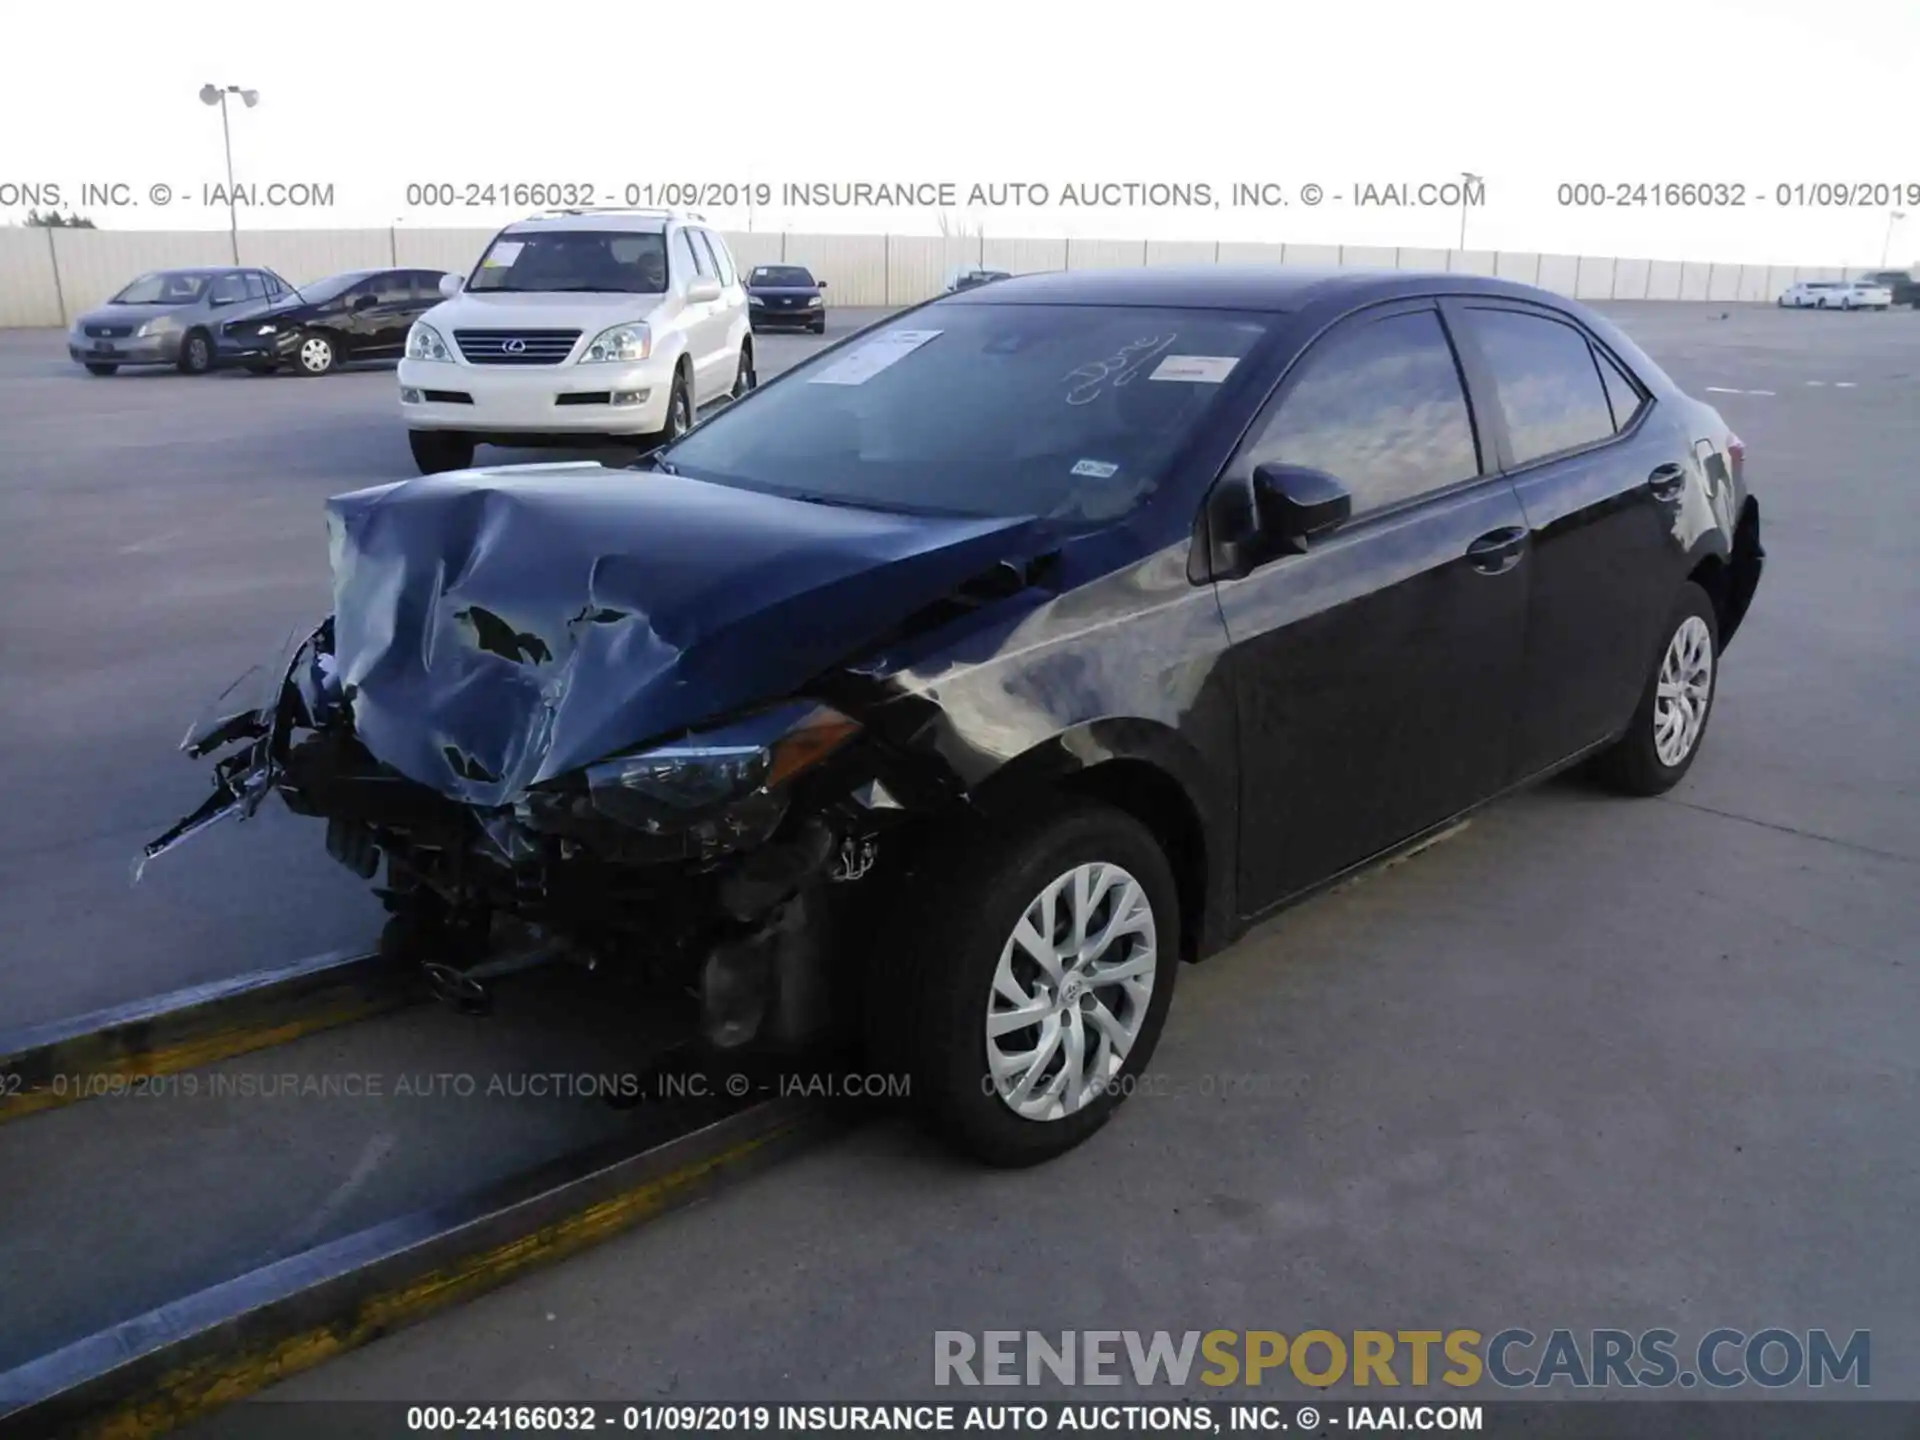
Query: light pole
[[1894, 217], [217, 95], [1468, 181]]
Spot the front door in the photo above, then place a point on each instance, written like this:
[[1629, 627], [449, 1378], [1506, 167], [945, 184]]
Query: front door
[[1375, 674]]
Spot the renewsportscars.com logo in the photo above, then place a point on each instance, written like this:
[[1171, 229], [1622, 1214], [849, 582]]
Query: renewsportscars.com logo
[[1722, 1358]]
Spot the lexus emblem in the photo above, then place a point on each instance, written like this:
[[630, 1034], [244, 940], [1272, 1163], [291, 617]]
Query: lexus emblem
[[515, 347]]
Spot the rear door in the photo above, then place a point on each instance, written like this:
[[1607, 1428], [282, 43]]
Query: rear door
[[1591, 463], [1374, 674]]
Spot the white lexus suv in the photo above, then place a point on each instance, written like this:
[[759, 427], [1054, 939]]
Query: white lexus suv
[[577, 327]]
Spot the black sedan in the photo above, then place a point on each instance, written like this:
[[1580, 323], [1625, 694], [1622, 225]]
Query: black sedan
[[358, 315], [786, 295], [944, 695]]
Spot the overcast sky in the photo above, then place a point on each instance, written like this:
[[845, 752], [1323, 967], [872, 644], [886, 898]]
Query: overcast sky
[[370, 98]]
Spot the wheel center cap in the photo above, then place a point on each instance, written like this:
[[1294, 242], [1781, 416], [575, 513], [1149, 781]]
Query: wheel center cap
[[1070, 989]]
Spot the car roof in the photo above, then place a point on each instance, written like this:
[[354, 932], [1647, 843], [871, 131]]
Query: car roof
[[1280, 288], [631, 222]]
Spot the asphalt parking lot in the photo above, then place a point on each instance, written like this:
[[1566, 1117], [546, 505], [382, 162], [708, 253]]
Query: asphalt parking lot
[[1589, 1063]]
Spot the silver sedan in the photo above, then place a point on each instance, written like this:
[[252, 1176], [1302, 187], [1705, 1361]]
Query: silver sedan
[[170, 317]]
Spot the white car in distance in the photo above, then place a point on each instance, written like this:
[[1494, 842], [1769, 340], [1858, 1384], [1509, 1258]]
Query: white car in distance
[[1837, 295], [578, 327]]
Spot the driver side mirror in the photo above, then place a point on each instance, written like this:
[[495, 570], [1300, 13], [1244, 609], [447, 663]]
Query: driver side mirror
[[1291, 506], [451, 285], [1296, 504], [702, 290]]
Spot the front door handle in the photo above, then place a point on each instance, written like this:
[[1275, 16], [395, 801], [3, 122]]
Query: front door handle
[[1667, 480], [1497, 550]]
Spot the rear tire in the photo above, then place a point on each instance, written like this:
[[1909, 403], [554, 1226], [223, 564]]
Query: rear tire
[[970, 969], [1670, 721], [95, 368], [438, 451], [196, 353]]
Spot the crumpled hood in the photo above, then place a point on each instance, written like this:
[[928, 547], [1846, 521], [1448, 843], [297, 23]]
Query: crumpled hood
[[497, 628]]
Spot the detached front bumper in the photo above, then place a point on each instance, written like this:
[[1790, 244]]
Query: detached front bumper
[[514, 401]]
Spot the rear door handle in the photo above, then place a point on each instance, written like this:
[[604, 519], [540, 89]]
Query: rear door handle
[[1667, 480], [1497, 550]]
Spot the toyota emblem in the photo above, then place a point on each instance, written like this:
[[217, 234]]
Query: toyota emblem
[[515, 347]]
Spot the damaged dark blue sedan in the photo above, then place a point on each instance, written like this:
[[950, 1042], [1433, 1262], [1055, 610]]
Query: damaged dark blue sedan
[[945, 694]]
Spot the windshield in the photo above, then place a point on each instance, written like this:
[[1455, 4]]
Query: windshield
[[780, 275], [1068, 412], [323, 290], [602, 261], [163, 287]]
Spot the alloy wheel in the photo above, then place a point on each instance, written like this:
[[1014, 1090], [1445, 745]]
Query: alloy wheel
[[1071, 992], [1684, 691], [679, 420]]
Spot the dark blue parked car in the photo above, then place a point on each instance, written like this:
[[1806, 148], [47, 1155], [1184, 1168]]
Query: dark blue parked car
[[786, 295]]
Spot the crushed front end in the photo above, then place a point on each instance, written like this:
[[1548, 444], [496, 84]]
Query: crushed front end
[[718, 865], [568, 717]]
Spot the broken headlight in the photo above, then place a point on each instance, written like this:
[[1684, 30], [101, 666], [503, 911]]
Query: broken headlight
[[716, 790]]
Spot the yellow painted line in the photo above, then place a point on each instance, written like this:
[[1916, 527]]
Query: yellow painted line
[[108, 1052], [207, 1385], [100, 1079]]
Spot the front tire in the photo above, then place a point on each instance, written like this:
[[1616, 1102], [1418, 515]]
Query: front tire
[[745, 376], [317, 354], [1043, 977], [438, 451], [1671, 720], [196, 353], [819, 327]]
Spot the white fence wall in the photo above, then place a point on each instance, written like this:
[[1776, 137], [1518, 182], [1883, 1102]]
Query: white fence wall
[[49, 276]]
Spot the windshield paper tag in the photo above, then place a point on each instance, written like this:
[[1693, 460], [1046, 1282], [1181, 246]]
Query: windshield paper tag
[[1196, 369], [1098, 469], [873, 357], [505, 253]]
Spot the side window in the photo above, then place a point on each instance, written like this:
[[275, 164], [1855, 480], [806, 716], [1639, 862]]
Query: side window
[[228, 288], [1549, 389], [684, 265], [1379, 406], [703, 255], [395, 287], [1622, 394], [256, 285], [722, 258]]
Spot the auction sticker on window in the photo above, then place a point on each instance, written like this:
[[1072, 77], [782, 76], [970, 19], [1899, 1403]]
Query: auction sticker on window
[[1097, 469], [871, 358], [505, 253], [1195, 369]]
